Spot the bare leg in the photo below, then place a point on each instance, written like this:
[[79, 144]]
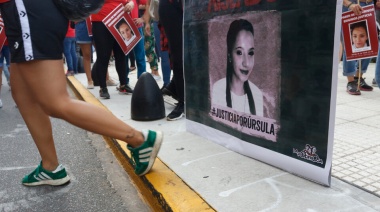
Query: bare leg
[[36, 119], [48, 76], [86, 51]]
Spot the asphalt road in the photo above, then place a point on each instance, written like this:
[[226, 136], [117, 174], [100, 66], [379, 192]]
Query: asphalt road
[[98, 182]]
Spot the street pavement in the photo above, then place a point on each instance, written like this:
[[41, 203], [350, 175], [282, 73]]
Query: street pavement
[[227, 181], [98, 182]]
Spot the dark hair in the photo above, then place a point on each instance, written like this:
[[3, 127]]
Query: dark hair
[[122, 21], [358, 25], [235, 27]]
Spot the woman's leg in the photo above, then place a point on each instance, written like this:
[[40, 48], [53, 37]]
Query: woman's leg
[[73, 53], [150, 52], [103, 41], [139, 52], [47, 75], [67, 53], [120, 63], [36, 119], [86, 52]]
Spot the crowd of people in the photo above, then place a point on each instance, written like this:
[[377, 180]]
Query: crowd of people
[[37, 65]]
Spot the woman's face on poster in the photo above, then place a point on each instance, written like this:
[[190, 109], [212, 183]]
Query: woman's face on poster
[[125, 31], [243, 55], [359, 37]]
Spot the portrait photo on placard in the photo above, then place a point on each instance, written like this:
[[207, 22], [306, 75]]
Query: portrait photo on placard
[[244, 68], [125, 30]]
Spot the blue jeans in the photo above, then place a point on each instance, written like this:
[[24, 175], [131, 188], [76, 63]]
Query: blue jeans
[[165, 62], [5, 55], [139, 51], [350, 67], [69, 50]]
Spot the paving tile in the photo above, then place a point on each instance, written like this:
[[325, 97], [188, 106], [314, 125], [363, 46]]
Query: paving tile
[[370, 188]]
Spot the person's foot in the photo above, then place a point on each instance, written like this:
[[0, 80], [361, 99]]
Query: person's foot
[[69, 73], [124, 89], [90, 85], [156, 77], [352, 88], [169, 90], [374, 83], [103, 92], [111, 82], [132, 68], [363, 85], [145, 155], [40, 176], [177, 113], [1, 104]]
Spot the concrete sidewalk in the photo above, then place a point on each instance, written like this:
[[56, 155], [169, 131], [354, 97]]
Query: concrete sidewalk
[[195, 174]]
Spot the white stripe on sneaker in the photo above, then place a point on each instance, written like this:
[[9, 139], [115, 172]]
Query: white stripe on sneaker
[[45, 175], [145, 150]]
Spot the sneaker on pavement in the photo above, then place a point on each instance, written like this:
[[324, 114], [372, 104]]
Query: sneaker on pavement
[[156, 77], [352, 88], [363, 85], [103, 92], [40, 176], [374, 83], [1, 104], [177, 113], [169, 90], [90, 85], [145, 155], [110, 82], [124, 89]]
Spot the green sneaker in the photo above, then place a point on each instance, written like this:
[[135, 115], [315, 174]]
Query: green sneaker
[[145, 155], [40, 176]]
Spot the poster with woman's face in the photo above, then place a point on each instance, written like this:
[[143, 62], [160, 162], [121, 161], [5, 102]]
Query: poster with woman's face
[[259, 79], [245, 72], [125, 31], [360, 39]]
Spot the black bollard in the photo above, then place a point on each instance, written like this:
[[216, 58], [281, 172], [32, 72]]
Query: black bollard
[[147, 102]]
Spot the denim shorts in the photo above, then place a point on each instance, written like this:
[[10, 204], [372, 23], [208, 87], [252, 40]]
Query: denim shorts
[[81, 33]]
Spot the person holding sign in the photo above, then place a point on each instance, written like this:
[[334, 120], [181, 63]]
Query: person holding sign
[[350, 68], [236, 91], [39, 89], [105, 43]]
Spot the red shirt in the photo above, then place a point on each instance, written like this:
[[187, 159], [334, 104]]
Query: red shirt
[[70, 32], [142, 2], [109, 5], [3, 1]]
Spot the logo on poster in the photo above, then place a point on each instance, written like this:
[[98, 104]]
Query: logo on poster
[[309, 153]]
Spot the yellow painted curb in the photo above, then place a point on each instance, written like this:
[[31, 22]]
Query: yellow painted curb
[[161, 188]]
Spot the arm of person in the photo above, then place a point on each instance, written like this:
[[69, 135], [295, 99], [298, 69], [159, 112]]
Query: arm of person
[[145, 18], [129, 6], [356, 8]]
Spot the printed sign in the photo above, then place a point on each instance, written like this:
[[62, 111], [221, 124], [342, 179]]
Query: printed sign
[[122, 27], [2, 33], [259, 79], [360, 34]]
